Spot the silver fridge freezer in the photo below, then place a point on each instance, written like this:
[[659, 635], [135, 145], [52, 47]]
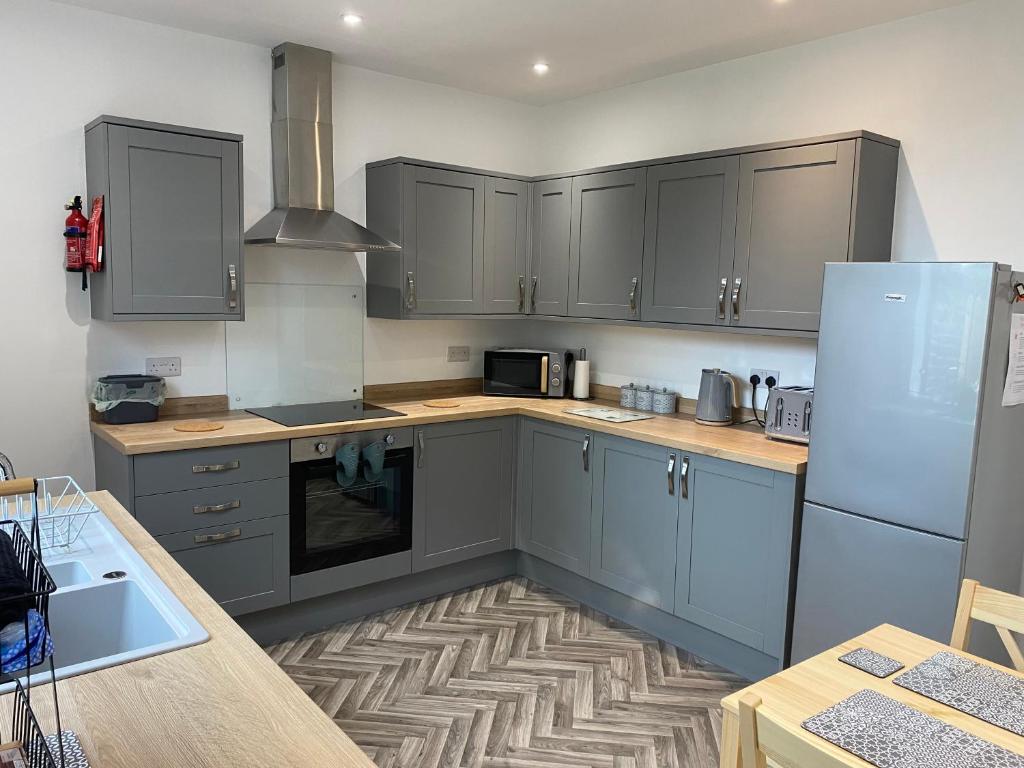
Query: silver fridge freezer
[[914, 462]]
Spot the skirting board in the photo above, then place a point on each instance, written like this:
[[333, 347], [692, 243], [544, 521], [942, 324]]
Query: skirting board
[[276, 624]]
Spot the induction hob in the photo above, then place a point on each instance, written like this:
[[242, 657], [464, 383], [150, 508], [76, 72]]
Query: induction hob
[[322, 413]]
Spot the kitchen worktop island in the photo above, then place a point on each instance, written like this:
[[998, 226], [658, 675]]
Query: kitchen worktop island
[[221, 703]]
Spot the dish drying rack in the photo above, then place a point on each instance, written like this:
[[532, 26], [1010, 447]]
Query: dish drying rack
[[57, 508]]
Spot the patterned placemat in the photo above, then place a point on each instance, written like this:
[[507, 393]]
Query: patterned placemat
[[871, 662], [889, 734], [74, 756], [975, 689]]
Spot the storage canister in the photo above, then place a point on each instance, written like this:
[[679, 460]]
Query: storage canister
[[664, 401], [627, 396], [644, 398]]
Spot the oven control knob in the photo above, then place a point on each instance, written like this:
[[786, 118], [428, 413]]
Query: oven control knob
[[556, 368], [556, 382], [321, 448], [389, 439]]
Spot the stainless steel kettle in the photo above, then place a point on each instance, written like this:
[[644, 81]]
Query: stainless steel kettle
[[717, 398]]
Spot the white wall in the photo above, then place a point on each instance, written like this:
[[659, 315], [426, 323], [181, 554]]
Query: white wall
[[947, 84]]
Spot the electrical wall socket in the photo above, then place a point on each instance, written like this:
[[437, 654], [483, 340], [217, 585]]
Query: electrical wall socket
[[764, 373], [458, 354], [163, 366]]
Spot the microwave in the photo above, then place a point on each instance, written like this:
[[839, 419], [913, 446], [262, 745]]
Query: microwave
[[527, 373]]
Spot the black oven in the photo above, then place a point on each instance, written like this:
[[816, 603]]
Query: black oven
[[527, 373], [351, 498]]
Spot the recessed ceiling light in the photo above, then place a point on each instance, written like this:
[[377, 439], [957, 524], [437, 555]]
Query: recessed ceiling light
[[352, 19], [540, 68]]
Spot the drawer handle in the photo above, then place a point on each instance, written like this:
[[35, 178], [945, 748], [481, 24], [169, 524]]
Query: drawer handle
[[232, 287], [410, 290], [202, 509], [215, 538], [632, 296], [522, 293], [533, 294], [671, 474], [736, 298], [684, 478], [423, 448], [722, 286], [586, 453], [198, 469]]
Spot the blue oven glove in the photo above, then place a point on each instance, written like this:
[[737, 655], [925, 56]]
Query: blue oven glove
[[347, 458], [373, 470]]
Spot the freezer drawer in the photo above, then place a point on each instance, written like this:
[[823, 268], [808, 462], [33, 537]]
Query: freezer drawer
[[856, 573]]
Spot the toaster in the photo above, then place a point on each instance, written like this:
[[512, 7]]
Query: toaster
[[788, 414]]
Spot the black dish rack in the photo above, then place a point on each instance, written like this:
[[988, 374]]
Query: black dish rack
[[24, 726]]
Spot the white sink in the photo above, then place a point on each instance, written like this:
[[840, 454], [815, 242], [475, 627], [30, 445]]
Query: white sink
[[98, 620]]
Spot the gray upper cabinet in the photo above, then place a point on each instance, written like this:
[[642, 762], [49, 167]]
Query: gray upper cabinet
[[443, 241], [553, 512], [688, 242], [606, 244], [634, 517], [735, 551], [794, 215], [506, 245], [462, 492], [549, 255], [173, 221]]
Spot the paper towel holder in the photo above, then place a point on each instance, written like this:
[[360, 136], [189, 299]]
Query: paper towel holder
[[581, 376]]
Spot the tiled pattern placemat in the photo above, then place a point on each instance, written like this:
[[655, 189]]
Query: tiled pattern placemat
[[871, 662], [74, 756], [889, 734], [979, 690]]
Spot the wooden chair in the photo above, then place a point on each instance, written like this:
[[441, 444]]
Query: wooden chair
[[765, 742], [1000, 609]]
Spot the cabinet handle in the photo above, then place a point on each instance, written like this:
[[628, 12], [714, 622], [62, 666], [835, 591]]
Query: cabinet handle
[[422, 446], [202, 509], [198, 469], [533, 295], [632, 295], [684, 478], [586, 453], [736, 298], [410, 291], [671, 474], [214, 538], [544, 374], [522, 293], [722, 287], [232, 287]]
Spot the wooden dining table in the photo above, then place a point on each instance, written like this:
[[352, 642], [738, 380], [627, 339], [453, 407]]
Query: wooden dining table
[[792, 696]]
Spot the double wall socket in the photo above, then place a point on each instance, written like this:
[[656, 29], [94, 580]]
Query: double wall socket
[[458, 354], [764, 373], [163, 366]]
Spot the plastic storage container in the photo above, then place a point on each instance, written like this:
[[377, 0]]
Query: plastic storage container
[[138, 398]]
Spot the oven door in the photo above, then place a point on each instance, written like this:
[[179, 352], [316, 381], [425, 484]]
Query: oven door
[[333, 524], [516, 373]]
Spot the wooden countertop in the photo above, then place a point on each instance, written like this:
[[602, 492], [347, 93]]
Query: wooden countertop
[[221, 703], [741, 444]]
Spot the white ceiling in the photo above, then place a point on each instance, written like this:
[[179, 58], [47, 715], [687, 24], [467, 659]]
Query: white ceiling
[[489, 46]]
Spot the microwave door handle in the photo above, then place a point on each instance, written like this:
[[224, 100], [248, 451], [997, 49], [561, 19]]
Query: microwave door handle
[[544, 374]]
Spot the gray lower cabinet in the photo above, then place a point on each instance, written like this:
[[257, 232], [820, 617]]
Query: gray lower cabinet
[[606, 244], [635, 514], [506, 245], [794, 215], [735, 554], [689, 241], [172, 218], [462, 491], [243, 566], [554, 494], [549, 254]]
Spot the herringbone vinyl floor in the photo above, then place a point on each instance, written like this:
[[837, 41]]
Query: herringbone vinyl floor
[[511, 674]]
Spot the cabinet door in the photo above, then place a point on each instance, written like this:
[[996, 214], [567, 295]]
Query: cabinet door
[[554, 494], [549, 255], [243, 566], [505, 245], [794, 215], [443, 245], [735, 551], [689, 241], [174, 223], [462, 491], [606, 244], [635, 513]]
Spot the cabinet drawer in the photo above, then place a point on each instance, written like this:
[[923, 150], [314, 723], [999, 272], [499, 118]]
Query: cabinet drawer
[[207, 467], [204, 507], [244, 566]]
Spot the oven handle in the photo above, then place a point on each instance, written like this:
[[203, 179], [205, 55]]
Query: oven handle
[[544, 374], [422, 447]]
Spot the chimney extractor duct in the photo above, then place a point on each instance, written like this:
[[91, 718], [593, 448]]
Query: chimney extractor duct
[[302, 147]]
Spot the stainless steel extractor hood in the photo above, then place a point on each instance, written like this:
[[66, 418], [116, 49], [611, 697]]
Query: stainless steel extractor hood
[[303, 155]]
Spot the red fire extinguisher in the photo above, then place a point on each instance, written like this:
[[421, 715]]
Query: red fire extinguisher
[[76, 229]]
